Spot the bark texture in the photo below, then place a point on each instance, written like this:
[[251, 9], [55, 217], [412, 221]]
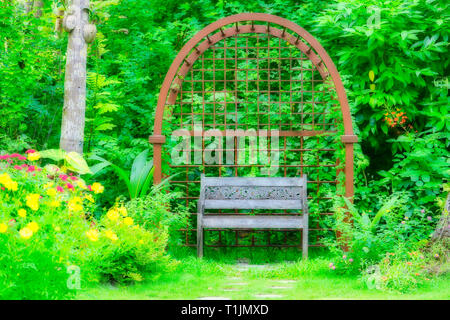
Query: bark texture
[[443, 227], [73, 118]]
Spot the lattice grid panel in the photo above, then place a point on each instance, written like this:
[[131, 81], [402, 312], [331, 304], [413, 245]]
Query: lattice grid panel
[[258, 82]]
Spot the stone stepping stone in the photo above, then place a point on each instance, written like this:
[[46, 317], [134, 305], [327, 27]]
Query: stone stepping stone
[[268, 296], [213, 298], [231, 289], [286, 281], [246, 267]]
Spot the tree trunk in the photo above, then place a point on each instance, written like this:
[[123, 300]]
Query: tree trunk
[[443, 226], [72, 127], [28, 5]]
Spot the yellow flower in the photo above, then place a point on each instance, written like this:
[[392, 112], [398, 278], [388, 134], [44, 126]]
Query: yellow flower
[[22, 213], [48, 185], [89, 197], [55, 204], [51, 192], [123, 211], [33, 226], [34, 156], [6, 180], [74, 204], [111, 235], [141, 241], [97, 187], [26, 233], [81, 184], [112, 214], [57, 229], [128, 221], [92, 235], [33, 201], [3, 227]]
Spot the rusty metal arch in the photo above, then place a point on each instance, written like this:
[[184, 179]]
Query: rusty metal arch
[[213, 33]]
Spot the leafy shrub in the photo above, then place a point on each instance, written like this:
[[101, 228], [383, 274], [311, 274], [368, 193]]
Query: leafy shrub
[[367, 236], [404, 270], [41, 212], [154, 213], [121, 251], [47, 223], [31, 268]]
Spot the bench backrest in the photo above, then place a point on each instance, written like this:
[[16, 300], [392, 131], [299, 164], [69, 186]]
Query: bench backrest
[[253, 193]]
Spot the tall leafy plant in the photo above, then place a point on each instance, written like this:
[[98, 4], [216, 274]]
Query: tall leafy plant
[[138, 179]]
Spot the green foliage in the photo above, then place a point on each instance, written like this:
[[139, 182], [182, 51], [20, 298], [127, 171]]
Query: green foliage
[[366, 237], [31, 270], [73, 161], [154, 212], [139, 179]]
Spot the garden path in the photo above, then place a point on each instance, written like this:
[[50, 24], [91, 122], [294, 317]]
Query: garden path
[[272, 289]]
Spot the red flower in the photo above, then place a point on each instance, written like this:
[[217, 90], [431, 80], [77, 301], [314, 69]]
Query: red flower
[[74, 178], [22, 158], [17, 167], [30, 151], [63, 177], [60, 189], [31, 169], [70, 186]]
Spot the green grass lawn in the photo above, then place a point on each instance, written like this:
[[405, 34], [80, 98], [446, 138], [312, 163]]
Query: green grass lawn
[[211, 276]]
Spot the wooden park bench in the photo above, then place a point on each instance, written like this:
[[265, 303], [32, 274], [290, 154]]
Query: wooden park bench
[[252, 193]]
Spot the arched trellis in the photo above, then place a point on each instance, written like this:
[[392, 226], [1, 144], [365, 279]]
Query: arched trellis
[[253, 24]]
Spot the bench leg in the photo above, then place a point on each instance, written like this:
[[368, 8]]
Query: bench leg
[[200, 242], [200, 234], [305, 242]]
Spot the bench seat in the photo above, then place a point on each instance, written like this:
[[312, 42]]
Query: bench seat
[[252, 193]]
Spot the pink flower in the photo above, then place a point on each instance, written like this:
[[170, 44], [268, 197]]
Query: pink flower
[[422, 211], [429, 218], [403, 222], [30, 151], [70, 186], [63, 177], [344, 257], [89, 187], [60, 189], [22, 158], [31, 169], [14, 155], [24, 165], [350, 260], [17, 167], [73, 178]]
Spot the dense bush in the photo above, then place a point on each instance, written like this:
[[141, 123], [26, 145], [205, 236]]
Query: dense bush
[[47, 224]]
